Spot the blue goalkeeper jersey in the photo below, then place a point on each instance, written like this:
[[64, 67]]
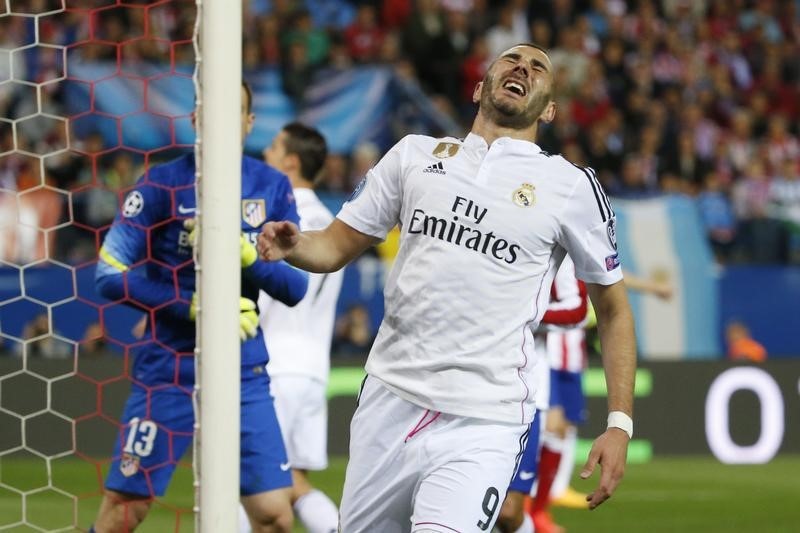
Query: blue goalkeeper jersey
[[146, 261]]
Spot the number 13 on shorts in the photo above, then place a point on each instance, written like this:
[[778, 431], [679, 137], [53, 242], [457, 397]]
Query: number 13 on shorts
[[141, 437]]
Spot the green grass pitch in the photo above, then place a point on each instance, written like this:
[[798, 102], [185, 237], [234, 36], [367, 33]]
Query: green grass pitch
[[668, 494]]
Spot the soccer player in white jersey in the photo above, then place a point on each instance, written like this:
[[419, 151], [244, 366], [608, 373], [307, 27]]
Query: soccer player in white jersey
[[298, 338], [485, 223]]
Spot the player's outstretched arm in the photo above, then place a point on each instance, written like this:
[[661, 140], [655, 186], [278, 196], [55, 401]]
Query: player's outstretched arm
[[326, 250], [618, 343]]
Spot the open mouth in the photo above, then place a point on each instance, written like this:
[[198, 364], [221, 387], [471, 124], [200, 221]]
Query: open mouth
[[515, 87]]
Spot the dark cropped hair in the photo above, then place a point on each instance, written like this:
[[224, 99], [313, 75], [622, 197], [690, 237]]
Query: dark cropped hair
[[310, 147]]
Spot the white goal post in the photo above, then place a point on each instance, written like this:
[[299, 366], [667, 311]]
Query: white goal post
[[218, 45]]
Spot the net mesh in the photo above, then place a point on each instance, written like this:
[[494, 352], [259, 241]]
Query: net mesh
[[92, 94]]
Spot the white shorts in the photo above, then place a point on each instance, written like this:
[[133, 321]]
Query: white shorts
[[413, 469], [302, 409]]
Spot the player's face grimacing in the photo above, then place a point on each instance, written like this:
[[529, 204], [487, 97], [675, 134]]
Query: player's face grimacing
[[517, 89]]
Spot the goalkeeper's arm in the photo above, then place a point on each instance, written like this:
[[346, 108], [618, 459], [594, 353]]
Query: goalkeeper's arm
[[279, 280]]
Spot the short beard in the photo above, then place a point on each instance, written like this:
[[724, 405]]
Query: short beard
[[507, 115]]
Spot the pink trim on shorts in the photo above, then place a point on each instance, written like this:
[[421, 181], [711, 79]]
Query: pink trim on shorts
[[435, 524], [422, 424]]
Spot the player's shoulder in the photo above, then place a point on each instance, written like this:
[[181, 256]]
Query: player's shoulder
[[562, 166], [427, 142], [173, 173]]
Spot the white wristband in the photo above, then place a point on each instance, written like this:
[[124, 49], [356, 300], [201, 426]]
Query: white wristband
[[618, 419]]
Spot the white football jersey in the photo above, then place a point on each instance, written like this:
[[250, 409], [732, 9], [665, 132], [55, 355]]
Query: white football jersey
[[298, 338], [483, 231]]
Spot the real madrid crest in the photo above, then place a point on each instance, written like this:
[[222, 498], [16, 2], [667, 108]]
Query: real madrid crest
[[523, 196], [445, 150]]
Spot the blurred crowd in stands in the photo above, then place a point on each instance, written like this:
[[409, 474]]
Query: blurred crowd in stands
[[690, 97]]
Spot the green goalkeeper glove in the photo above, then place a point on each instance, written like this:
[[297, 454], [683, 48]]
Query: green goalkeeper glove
[[248, 317], [248, 252]]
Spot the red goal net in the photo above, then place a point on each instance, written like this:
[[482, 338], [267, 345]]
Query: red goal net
[[93, 93]]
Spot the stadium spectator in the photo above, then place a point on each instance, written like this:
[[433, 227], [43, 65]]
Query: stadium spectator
[[718, 217], [511, 28], [784, 203], [685, 165], [364, 37], [158, 420], [415, 380], [298, 339], [353, 333], [742, 346]]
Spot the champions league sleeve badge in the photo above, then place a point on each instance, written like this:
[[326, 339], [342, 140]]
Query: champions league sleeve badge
[[524, 196], [358, 190], [133, 204]]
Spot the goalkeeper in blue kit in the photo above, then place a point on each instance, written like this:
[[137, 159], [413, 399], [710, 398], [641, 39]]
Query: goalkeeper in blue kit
[[146, 261]]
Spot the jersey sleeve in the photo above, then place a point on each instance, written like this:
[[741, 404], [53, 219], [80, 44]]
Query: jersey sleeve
[[279, 280], [374, 206], [126, 244], [589, 232]]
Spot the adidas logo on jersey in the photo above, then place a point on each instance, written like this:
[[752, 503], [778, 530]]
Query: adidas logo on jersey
[[436, 168]]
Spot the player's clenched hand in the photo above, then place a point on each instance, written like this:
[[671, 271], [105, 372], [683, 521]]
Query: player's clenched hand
[[277, 239], [610, 451]]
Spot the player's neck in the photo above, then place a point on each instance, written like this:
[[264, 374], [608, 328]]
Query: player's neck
[[490, 131], [299, 182]]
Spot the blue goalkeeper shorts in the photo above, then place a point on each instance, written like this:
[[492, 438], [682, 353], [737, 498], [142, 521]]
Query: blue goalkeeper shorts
[[566, 391], [157, 429], [529, 464]]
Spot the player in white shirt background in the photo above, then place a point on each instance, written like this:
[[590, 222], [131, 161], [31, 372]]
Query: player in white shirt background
[[485, 223], [298, 338]]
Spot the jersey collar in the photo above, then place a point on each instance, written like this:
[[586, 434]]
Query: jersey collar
[[475, 141]]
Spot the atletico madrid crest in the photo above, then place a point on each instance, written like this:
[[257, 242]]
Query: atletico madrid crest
[[254, 212], [129, 464]]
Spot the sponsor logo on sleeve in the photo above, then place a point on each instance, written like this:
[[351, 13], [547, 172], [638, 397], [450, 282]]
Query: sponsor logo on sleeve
[[612, 262], [133, 204], [611, 229]]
